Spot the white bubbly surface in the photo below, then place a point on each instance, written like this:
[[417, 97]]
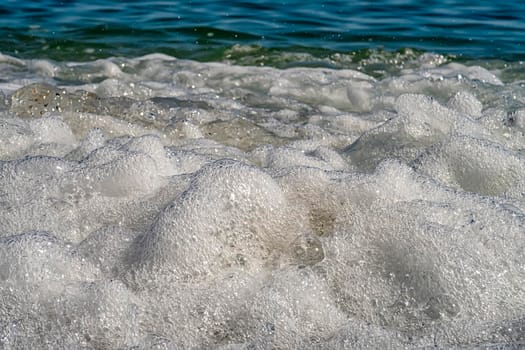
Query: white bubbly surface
[[157, 203]]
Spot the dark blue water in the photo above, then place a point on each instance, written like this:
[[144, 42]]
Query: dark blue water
[[73, 29]]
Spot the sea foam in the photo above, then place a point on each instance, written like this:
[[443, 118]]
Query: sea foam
[[158, 203]]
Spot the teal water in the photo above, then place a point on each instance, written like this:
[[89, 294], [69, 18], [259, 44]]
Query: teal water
[[208, 30]]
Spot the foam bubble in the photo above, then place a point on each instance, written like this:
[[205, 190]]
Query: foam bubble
[[475, 165], [466, 103], [294, 309], [231, 215], [38, 259]]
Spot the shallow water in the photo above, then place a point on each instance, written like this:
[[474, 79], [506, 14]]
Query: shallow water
[[262, 188]]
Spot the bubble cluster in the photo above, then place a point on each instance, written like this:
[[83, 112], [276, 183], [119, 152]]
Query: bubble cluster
[[175, 204]]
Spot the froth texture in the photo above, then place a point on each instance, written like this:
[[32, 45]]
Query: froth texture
[[157, 203], [231, 215]]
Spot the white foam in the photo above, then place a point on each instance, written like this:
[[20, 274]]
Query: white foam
[[475, 165], [164, 203], [466, 103], [231, 214]]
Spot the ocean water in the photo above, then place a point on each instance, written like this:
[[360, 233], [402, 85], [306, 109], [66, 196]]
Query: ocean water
[[74, 29], [262, 175]]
